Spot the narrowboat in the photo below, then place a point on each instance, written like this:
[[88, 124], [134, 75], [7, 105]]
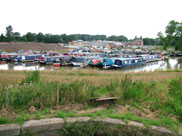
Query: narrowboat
[[108, 62], [96, 62], [26, 58], [178, 54], [3, 56], [7, 56], [57, 62], [127, 62], [38, 57], [80, 61], [48, 60], [150, 58]]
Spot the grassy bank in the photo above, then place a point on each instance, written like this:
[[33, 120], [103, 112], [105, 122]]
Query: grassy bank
[[36, 95], [92, 75]]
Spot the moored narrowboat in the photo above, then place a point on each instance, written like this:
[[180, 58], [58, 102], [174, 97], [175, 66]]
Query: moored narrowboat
[[127, 62], [150, 58], [80, 61], [96, 62], [26, 58]]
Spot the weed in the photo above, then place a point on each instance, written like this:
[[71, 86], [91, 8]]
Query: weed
[[31, 77], [21, 118], [62, 114], [38, 116], [45, 111], [4, 120]]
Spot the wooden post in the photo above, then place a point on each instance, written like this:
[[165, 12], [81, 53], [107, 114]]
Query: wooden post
[[6, 98], [57, 97]]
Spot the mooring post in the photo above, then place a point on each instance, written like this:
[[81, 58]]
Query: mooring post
[[6, 98], [57, 97]]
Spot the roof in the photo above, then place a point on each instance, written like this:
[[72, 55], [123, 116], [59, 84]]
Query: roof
[[100, 44], [124, 58]]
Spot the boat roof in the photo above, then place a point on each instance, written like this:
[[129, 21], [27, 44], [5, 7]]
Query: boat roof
[[124, 58], [144, 55]]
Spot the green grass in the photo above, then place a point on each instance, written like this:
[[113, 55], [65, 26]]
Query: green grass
[[109, 112], [62, 114], [21, 118], [164, 98], [4, 120]]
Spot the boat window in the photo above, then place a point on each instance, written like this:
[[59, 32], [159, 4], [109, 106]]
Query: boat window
[[78, 60], [136, 61], [127, 62], [118, 62]]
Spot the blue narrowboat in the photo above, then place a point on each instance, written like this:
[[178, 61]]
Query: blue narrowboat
[[27, 58], [127, 62], [150, 58], [107, 62]]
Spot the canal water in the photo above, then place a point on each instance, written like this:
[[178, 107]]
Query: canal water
[[167, 64]]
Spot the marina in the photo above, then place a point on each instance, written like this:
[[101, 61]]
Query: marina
[[82, 57], [166, 64]]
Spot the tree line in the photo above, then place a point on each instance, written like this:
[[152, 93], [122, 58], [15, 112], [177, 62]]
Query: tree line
[[11, 36], [172, 36], [50, 38]]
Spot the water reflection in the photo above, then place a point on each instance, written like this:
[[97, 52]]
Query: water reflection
[[3, 66], [171, 63], [167, 64]]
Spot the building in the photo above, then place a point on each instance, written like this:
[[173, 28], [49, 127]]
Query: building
[[78, 43], [100, 45], [136, 42]]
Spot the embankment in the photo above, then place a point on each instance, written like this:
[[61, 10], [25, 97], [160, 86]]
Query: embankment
[[82, 126]]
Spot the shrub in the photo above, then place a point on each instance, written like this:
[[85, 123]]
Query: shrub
[[31, 77], [176, 89], [173, 105], [134, 92]]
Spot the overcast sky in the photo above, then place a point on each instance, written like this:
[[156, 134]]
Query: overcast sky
[[110, 17]]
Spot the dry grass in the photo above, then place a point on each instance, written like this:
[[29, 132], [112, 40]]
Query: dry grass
[[94, 76], [11, 47]]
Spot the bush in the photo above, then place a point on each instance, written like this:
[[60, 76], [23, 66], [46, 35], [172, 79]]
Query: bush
[[174, 104], [134, 92], [176, 89], [2, 97], [31, 77]]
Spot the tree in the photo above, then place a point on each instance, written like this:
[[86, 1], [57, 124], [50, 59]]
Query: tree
[[31, 37], [17, 36], [112, 38], [171, 28], [122, 38], [9, 33], [40, 37], [178, 37], [64, 38], [49, 38], [150, 41], [162, 40], [2, 38], [173, 35]]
